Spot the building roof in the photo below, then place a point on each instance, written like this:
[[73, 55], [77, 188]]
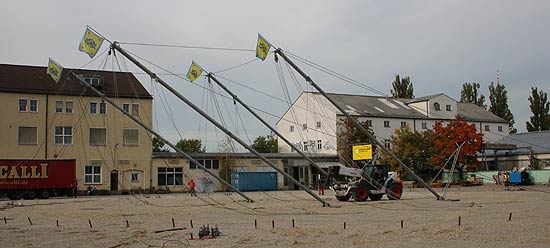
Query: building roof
[[472, 112], [34, 80], [377, 106], [389, 107], [538, 141], [424, 98]]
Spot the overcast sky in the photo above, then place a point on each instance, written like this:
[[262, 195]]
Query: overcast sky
[[439, 44]]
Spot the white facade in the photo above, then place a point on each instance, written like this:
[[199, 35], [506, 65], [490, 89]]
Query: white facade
[[311, 122]]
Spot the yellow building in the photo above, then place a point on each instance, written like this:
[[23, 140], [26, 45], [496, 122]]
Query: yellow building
[[41, 119]]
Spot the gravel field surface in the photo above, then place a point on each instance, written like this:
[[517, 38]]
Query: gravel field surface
[[134, 220]]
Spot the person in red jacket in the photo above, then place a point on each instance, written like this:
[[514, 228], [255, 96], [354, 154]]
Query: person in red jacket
[[192, 187]]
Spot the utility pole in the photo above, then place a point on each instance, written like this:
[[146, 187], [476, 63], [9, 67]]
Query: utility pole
[[117, 47], [211, 76], [178, 151], [363, 129]]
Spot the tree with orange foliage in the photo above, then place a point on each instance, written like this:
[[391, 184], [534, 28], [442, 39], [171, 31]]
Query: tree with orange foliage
[[447, 139]]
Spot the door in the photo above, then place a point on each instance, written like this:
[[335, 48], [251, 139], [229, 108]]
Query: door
[[114, 180]]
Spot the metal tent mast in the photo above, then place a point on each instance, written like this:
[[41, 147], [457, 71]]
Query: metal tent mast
[[178, 151], [115, 45], [371, 137], [211, 76]]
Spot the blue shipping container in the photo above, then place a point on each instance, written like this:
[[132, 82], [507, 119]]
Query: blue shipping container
[[254, 181]]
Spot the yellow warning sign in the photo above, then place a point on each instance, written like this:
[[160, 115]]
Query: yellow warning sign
[[362, 152]]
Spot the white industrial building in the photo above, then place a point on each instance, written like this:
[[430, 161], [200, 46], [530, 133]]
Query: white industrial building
[[311, 122]]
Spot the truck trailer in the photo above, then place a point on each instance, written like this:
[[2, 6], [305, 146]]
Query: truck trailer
[[30, 179]]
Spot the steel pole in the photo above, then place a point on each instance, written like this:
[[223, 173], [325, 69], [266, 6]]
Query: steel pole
[[210, 75], [117, 47], [178, 151], [373, 139]]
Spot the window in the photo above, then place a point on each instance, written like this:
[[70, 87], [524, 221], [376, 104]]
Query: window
[[211, 164], [291, 128], [386, 123], [318, 124], [33, 107], [170, 176], [437, 106], [487, 128], [69, 107], [305, 146], [304, 126], [500, 128], [130, 137], [369, 123], [448, 107], [134, 177], [94, 81], [403, 124], [103, 108], [135, 109], [319, 145], [93, 107], [98, 136], [387, 143], [63, 135], [28, 135], [424, 125], [22, 105], [126, 107], [59, 106], [92, 174]]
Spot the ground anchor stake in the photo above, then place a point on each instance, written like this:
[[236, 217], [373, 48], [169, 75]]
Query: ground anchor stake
[[344, 225], [255, 224], [173, 223], [90, 222], [401, 224], [191, 221], [510, 217], [459, 220], [30, 222]]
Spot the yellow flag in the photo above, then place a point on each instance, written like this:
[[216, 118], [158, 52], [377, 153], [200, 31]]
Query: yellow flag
[[262, 48], [54, 70], [194, 71], [90, 42], [362, 152]]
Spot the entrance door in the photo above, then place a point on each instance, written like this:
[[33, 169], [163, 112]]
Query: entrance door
[[114, 180]]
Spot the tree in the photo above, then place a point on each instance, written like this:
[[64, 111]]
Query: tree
[[470, 94], [349, 134], [158, 145], [498, 96], [540, 108], [190, 145], [414, 149], [402, 88], [227, 164], [447, 138], [265, 144]]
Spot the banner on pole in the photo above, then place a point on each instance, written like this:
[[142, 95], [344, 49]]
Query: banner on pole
[[194, 71], [262, 48], [91, 42], [54, 70], [362, 152]]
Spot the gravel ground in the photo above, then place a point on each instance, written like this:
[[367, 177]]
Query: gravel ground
[[484, 214]]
